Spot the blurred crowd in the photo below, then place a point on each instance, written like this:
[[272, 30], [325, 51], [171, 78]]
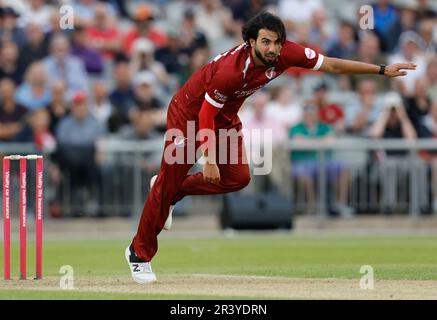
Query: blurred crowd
[[113, 71]]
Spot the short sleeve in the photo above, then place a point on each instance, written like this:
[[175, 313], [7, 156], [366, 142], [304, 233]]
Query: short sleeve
[[296, 55], [219, 89]]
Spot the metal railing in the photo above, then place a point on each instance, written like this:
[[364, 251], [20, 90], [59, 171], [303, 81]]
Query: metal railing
[[346, 150]]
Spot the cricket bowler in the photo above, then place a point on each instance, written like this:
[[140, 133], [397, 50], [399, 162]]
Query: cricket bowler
[[208, 102]]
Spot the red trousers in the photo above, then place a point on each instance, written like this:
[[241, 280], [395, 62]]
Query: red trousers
[[173, 183]]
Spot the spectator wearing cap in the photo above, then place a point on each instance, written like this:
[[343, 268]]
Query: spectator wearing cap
[[61, 65], [10, 67], [11, 113], [191, 37], [9, 29], [172, 56], [143, 59], [305, 164], [36, 47], [143, 18], [82, 49], [329, 113], [77, 135], [410, 50], [34, 93], [146, 105], [363, 112], [103, 34]]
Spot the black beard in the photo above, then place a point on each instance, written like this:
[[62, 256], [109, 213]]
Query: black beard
[[264, 61]]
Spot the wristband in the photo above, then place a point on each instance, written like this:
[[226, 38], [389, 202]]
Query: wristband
[[382, 69]]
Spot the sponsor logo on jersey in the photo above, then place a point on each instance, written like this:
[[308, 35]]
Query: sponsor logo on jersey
[[310, 53], [270, 73], [219, 96]]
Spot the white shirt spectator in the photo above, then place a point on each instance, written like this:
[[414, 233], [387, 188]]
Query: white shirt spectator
[[298, 11]]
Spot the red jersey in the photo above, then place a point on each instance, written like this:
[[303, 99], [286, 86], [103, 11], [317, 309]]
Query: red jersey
[[331, 114], [232, 76]]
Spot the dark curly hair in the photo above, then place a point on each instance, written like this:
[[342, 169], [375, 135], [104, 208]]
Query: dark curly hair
[[263, 20]]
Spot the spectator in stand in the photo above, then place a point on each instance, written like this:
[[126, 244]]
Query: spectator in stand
[[410, 50], [146, 103], [431, 75], [143, 18], [302, 34], [77, 153], [295, 12], [172, 56], [34, 92], [191, 37], [9, 63], [61, 65], [59, 107], [385, 17], [37, 12], [369, 50], [37, 131], [121, 97], [36, 47], [424, 10], [11, 114], [9, 29], [143, 59], [81, 48], [101, 107], [215, 21], [255, 117], [426, 31], [84, 11], [418, 106], [282, 108], [344, 46], [319, 31], [407, 22], [360, 115], [392, 123], [103, 34], [199, 58], [305, 166], [329, 113]]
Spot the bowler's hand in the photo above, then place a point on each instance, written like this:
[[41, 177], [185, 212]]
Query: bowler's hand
[[398, 69], [211, 173]]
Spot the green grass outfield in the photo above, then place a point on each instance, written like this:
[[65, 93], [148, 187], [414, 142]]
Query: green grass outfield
[[273, 255]]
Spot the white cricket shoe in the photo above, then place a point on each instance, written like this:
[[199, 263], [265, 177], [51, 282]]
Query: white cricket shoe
[[169, 221], [141, 271]]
